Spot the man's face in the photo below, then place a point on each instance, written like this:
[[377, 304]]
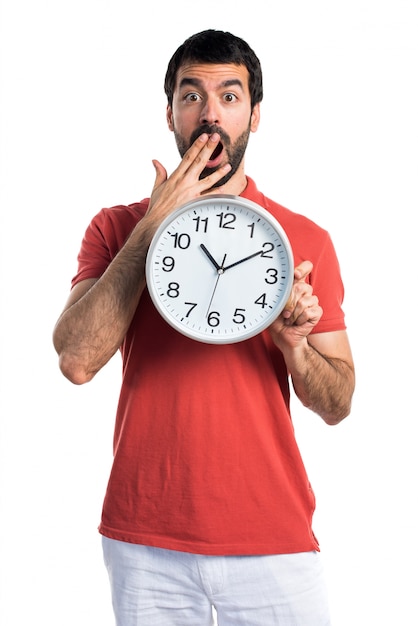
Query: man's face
[[212, 98]]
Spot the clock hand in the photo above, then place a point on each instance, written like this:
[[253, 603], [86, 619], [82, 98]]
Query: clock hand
[[213, 293], [220, 271], [211, 259], [242, 260]]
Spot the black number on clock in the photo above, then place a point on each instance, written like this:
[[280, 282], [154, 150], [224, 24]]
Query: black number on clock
[[173, 290], [181, 240], [213, 318], [168, 264], [226, 220], [261, 300], [272, 275], [199, 221], [269, 247], [239, 317], [192, 305]]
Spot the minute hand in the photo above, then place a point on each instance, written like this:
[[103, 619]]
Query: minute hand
[[247, 258]]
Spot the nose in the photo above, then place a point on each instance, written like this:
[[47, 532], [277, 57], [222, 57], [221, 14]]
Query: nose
[[210, 112]]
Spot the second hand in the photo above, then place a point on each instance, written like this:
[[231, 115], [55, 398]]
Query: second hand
[[220, 272]]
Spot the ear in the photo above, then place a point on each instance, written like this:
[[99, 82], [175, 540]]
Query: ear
[[169, 117], [255, 118]]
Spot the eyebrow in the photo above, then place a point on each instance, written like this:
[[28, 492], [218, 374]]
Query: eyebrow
[[195, 82]]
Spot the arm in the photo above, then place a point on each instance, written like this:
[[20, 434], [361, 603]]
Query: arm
[[99, 311], [320, 365]]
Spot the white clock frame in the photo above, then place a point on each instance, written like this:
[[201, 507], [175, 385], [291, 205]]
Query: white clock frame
[[220, 269]]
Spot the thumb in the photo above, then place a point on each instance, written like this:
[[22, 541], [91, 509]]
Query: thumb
[[302, 270], [160, 173]]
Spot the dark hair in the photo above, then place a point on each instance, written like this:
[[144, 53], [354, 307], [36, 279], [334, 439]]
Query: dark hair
[[216, 46]]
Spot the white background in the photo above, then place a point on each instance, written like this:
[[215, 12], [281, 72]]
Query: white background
[[82, 115]]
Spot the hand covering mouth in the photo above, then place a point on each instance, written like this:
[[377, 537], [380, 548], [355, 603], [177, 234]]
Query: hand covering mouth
[[216, 157], [210, 130]]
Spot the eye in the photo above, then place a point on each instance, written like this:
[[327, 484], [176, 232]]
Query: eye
[[230, 97], [192, 97]]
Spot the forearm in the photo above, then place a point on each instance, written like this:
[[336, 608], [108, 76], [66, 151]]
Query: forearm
[[92, 328], [323, 384]]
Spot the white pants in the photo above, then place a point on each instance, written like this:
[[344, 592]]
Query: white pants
[[156, 587]]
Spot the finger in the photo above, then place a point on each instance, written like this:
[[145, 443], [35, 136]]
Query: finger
[[302, 310], [199, 153], [303, 270], [309, 315], [297, 299], [206, 184], [160, 173]]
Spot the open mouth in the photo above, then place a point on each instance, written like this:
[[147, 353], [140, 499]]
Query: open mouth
[[215, 157], [217, 151]]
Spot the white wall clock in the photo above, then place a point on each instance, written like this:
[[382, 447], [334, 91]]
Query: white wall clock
[[220, 269]]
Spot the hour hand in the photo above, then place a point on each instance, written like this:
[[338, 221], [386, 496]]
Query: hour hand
[[219, 269]]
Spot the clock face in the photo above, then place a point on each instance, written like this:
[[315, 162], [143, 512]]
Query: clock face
[[220, 269]]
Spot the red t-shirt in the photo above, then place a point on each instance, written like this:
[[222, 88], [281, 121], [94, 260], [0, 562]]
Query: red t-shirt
[[205, 457]]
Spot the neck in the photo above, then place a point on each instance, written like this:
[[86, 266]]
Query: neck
[[235, 185]]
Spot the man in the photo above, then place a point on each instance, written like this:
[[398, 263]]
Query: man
[[208, 503]]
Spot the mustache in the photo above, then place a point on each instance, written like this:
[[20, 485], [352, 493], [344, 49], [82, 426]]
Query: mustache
[[210, 129]]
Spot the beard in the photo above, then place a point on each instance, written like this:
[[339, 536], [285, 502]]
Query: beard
[[235, 151]]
